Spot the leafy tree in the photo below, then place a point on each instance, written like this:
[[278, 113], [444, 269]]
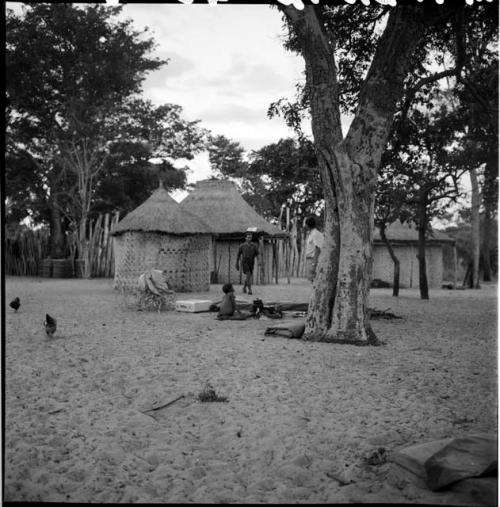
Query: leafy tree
[[73, 77], [286, 171], [67, 68], [280, 172], [476, 121], [403, 44], [349, 164], [226, 157], [425, 175], [390, 206]]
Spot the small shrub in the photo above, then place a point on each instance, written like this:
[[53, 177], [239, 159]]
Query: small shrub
[[147, 301], [208, 394], [378, 457]]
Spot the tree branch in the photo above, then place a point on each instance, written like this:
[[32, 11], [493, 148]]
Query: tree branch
[[460, 58]]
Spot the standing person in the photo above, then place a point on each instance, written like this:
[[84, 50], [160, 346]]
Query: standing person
[[247, 251], [314, 244]]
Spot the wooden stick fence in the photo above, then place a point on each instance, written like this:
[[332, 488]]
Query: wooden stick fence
[[24, 252], [101, 246], [291, 251], [27, 250]]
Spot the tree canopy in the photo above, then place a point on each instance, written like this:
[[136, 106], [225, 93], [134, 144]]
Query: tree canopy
[[375, 63], [78, 132]]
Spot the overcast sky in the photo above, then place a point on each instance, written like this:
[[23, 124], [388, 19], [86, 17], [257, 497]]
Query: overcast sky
[[227, 64]]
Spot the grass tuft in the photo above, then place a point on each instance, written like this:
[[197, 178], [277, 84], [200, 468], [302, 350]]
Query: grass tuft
[[208, 394]]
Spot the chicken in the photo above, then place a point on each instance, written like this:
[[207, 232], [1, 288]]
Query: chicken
[[15, 303], [50, 325]]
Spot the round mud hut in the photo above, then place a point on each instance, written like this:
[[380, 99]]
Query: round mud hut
[[229, 216], [160, 235]]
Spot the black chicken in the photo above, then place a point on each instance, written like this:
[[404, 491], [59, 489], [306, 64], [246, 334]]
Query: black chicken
[[15, 303], [50, 325]]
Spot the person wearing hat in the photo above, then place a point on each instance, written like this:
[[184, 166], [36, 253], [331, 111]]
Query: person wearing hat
[[247, 252]]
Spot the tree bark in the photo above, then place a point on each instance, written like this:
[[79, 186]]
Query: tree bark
[[395, 260], [422, 230], [490, 199], [338, 309], [475, 227], [56, 231], [485, 247]]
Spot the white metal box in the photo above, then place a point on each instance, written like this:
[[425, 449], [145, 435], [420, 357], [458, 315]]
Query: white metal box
[[193, 305]]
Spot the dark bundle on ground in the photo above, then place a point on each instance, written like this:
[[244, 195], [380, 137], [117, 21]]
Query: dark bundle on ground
[[382, 314], [379, 284], [208, 394]]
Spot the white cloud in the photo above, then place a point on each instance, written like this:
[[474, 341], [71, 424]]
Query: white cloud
[[227, 65]]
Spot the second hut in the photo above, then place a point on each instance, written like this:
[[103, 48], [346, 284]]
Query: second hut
[[229, 216], [160, 235]]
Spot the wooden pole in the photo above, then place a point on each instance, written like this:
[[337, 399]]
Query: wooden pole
[[105, 245], [276, 260], [229, 262], [262, 261], [95, 245], [454, 266]]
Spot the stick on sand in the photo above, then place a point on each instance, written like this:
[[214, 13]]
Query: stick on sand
[[166, 404]]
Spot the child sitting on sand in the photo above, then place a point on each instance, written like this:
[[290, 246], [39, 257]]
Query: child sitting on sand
[[227, 308]]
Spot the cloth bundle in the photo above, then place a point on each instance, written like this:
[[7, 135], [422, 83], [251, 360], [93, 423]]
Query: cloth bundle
[[154, 281], [289, 330]]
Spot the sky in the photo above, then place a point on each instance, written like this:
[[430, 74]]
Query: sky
[[227, 64]]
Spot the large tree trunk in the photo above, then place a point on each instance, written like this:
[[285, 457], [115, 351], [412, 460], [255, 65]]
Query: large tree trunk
[[485, 247], [395, 260], [84, 247], [338, 309], [475, 227], [57, 249], [422, 230], [490, 199]]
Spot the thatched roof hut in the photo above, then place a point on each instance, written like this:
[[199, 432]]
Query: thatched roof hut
[[224, 209], [404, 241], [229, 216], [158, 234]]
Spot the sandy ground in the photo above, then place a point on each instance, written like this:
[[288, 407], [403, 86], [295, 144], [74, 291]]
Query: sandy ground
[[300, 418]]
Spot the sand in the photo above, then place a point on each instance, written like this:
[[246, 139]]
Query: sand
[[300, 420]]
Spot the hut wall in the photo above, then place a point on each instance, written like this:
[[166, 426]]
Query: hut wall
[[184, 258], [223, 263], [383, 267]]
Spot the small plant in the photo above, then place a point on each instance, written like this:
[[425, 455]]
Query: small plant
[[149, 301], [209, 394], [378, 457]]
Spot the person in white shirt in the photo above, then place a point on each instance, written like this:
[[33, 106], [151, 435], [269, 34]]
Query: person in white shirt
[[314, 244]]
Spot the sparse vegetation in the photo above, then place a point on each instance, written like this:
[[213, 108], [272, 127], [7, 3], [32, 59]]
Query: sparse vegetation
[[208, 394]]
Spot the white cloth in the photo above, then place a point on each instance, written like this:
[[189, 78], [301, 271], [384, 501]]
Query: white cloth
[[314, 239]]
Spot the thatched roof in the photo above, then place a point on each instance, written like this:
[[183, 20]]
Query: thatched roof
[[161, 213], [220, 204], [404, 233]]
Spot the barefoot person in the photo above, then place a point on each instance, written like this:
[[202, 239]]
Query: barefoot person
[[247, 251], [314, 244], [227, 308]]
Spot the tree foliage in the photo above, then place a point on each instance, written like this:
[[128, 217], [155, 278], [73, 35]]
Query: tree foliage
[[78, 132], [278, 173], [409, 45]]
